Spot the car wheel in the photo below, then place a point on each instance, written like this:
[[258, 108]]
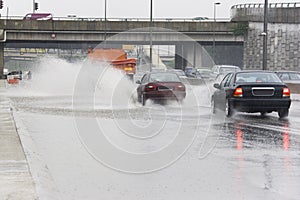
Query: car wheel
[[180, 101], [139, 97], [283, 112], [228, 109], [213, 106], [143, 99]]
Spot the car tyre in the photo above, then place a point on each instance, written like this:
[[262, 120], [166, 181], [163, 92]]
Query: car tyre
[[139, 98], [228, 109], [282, 113], [143, 99], [213, 106]]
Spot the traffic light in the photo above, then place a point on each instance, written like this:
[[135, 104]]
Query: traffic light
[[1, 4], [36, 6]]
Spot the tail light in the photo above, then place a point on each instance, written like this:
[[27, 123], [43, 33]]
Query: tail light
[[238, 92], [286, 92], [180, 87], [150, 87], [128, 69]]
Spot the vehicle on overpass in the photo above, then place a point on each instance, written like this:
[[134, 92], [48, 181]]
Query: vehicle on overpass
[[117, 58], [38, 16], [251, 91]]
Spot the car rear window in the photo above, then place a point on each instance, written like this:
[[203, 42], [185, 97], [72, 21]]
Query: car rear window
[[164, 77], [257, 77]]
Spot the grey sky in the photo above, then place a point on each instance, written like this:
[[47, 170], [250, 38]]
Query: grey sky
[[128, 8]]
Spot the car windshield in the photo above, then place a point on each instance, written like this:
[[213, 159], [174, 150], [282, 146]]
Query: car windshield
[[257, 77], [164, 77]]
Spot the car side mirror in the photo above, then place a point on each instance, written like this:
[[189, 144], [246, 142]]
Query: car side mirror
[[138, 82], [217, 85]]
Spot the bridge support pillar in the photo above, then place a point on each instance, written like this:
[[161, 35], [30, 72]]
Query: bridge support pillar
[[189, 54], [180, 62], [1, 60]]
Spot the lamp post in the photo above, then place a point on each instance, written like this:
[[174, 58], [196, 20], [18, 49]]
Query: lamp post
[[214, 34], [265, 36], [151, 20], [33, 6], [105, 18]]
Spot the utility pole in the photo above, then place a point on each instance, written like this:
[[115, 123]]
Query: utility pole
[[265, 36]]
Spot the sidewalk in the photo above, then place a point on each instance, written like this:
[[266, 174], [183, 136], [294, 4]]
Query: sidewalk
[[16, 182]]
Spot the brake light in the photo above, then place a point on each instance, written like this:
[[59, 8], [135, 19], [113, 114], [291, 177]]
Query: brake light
[[180, 87], [238, 92], [150, 87], [286, 92]]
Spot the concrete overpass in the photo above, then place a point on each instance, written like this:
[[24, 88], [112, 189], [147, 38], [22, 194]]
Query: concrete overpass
[[85, 33]]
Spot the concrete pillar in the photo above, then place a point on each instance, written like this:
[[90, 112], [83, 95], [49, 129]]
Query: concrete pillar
[[180, 62], [1, 60], [188, 54]]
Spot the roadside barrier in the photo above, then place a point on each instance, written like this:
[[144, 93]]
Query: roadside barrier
[[294, 87]]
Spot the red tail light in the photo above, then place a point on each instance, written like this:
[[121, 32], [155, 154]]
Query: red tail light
[[150, 87], [238, 92], [180, 87], [286, 92]]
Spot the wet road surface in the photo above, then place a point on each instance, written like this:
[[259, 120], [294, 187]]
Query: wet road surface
[[245, 157]]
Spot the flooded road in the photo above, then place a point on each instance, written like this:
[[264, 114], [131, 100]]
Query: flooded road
[[212, 157]]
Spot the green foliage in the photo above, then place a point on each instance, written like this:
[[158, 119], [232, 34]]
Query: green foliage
[[240, 29]]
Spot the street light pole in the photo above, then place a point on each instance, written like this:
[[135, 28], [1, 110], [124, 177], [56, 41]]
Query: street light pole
[[265, 36], [214, 34], [151, 20], [105, 19], [33, 6]]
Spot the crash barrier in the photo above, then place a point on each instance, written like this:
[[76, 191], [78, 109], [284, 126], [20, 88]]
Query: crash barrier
[[2, 83], [294, 87]]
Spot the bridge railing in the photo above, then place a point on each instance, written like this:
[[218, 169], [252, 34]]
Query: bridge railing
[[74, 18], [277, 12], [271, 5]]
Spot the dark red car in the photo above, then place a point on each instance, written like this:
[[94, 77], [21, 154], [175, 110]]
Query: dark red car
[[160, 86]]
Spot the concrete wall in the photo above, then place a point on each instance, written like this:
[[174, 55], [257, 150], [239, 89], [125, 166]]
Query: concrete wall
[[283, 47], [114, 26]]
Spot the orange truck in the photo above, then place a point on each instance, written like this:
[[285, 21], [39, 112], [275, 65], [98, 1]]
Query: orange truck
[[117, 58]]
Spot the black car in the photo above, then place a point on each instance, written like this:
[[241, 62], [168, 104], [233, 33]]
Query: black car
[[160, 86], [252, 91]]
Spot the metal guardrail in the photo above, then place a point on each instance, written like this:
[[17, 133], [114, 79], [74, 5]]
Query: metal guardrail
[[195, 19], [271, 5]]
